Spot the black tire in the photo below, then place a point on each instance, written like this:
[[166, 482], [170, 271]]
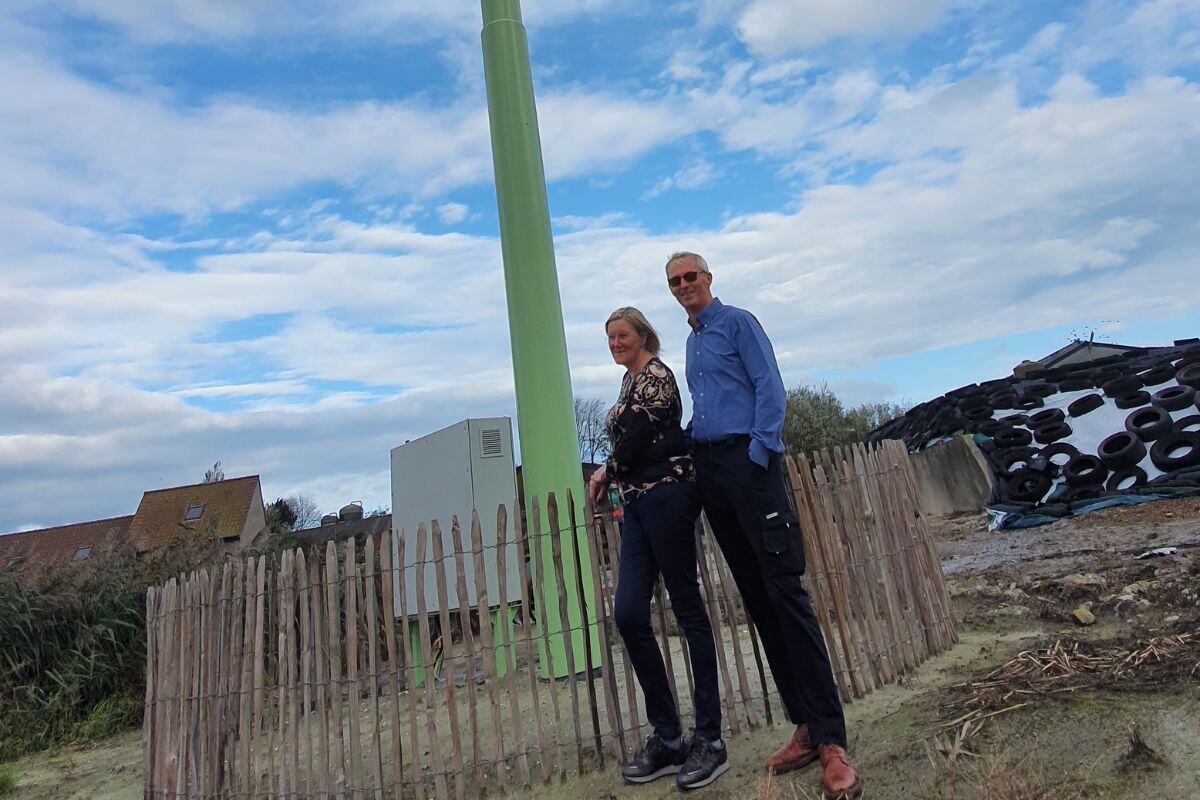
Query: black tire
[[1015, 419], [1005, 400], [1051, 432], [973, 404], [1042, 390], [1188, 424], [1122, 449], [969, 390], [1189, 376], [1017, 458], [1176, 451], [1160, 374], [1012, 437], [1188, 360], [1149, 423], [996, 385], [990, 427], [1133, 400], [978, 413], [1028, 402], [1085, 405], [1074, 384], [1058, 449], [1174, 398], [1085, 469], [1040, 418], [1028, 485], [1122, 475], [1117, 387]]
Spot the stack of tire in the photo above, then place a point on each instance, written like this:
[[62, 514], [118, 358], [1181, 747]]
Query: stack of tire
[[1022, 438]]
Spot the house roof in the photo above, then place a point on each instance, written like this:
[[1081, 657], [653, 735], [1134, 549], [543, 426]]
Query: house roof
[[54, 547], [1105, 348], [225, 505]]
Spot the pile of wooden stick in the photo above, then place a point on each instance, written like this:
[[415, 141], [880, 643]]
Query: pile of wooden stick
[[1065, 666]]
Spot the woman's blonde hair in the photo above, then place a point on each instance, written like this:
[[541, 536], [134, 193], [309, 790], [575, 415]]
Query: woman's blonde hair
[[637, 320]]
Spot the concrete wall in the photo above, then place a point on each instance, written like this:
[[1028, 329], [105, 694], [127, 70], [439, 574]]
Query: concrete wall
[[952, 478]]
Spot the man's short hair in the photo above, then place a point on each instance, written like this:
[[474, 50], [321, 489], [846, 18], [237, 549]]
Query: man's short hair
[[696, 259]]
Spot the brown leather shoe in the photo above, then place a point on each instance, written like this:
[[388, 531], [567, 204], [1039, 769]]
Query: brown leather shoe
[[798, 752], [838, 779]]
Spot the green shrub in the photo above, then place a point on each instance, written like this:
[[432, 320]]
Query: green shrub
[[8, 778], [110, 716], [816, 419]]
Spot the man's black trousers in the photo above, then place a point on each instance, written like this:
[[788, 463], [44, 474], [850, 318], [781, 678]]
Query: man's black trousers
[[658, 536], [751, 516]]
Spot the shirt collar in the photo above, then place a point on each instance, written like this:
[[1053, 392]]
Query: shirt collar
[[708, 314]]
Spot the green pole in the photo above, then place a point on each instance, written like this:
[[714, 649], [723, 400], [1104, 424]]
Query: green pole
[[545, 409]]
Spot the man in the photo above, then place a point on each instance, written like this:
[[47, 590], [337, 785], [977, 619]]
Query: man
[[737, 415]]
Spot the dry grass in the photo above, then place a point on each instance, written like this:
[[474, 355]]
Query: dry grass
[[1063, 667], [770, 788], [1005, 778]]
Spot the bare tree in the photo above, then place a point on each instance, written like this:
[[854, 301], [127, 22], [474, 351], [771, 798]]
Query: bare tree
[[304, 506], [214, 473], [590, 419]]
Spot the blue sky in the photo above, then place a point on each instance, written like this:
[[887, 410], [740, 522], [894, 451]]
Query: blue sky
[[265, 232]]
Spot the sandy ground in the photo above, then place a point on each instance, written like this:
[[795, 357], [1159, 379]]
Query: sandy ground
[[1013, 591]]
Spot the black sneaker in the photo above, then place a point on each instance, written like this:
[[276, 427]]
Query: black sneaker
[[655, 761], [705, 763]]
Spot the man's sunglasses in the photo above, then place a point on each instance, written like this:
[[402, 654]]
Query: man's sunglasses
[[687, 277]]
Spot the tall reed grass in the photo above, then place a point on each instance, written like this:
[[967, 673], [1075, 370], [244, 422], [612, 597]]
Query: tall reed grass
[[72, 646]]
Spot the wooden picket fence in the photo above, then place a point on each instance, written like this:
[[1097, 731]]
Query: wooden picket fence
[[291, 677]]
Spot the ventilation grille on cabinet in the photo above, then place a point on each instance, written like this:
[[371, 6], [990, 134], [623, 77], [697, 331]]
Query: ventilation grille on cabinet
[[490, 443]]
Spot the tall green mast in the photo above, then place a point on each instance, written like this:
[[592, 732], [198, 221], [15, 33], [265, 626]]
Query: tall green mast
[[545, 409]]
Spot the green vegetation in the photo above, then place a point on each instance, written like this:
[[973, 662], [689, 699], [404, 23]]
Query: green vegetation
[[8, 778], [73, 650], [816, 418]]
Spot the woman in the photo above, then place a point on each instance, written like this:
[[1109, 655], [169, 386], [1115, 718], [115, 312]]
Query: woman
[[652, 468]]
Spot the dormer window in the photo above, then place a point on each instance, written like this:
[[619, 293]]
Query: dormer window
[[193, 512], [82, 552]]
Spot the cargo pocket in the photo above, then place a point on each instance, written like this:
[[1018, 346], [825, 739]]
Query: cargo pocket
[[781, 541]]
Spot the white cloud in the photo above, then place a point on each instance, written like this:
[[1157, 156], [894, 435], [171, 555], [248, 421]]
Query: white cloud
[[160, 21], [970, 212], [774, 26], [452, 213], [786, 71], [697, 173], [139, 153], [587, 132]]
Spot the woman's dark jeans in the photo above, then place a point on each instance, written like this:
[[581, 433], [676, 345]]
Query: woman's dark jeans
[[658, 536]]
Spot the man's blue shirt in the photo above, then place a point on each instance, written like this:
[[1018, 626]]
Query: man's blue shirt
[[734, 380]]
